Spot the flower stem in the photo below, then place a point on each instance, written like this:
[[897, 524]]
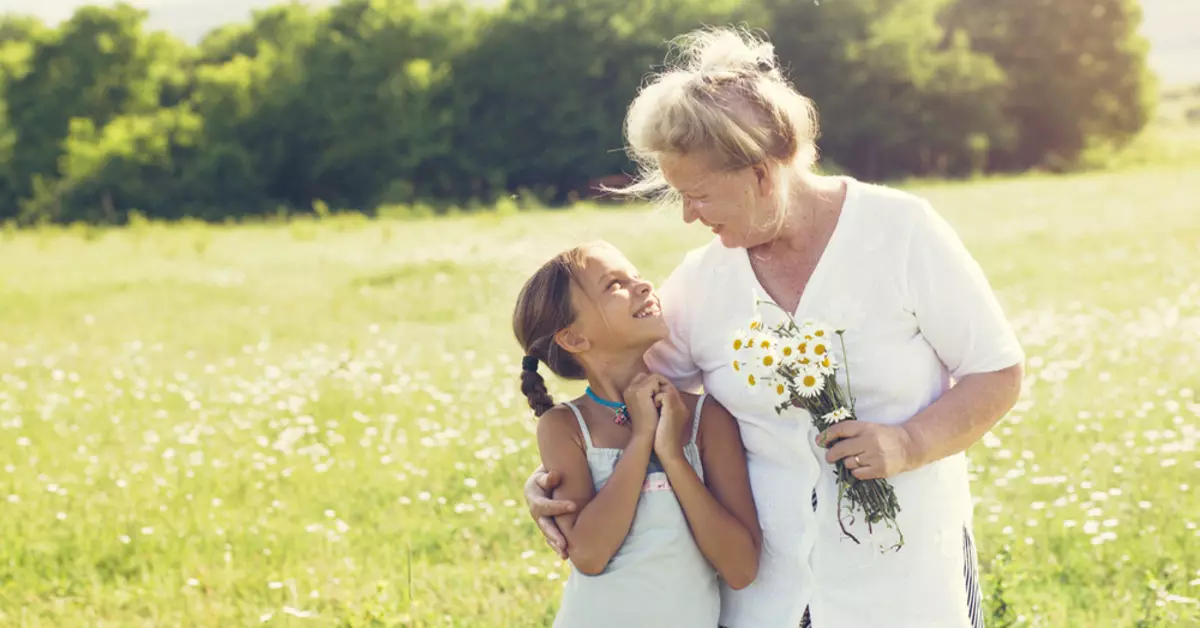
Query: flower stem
[[846, 363]]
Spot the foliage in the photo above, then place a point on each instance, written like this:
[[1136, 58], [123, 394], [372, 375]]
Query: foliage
[[371, 103], [1077, 74]]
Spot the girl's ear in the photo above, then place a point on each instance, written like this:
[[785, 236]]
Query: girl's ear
[[572, 342]]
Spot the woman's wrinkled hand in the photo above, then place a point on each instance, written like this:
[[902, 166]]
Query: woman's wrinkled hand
[[543, 508], [869, 450]]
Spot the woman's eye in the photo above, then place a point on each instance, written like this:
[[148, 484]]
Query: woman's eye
[[614, 282]]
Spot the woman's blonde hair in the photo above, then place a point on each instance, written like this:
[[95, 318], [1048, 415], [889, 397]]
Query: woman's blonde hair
[[721, 95]]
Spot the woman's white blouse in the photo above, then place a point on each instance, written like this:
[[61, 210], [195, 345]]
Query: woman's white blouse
[[918, 313]]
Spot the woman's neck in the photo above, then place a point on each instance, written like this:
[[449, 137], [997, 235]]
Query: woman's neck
[[815, 201], [610, 375]]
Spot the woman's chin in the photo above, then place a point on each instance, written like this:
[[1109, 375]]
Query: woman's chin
[[729, 240]]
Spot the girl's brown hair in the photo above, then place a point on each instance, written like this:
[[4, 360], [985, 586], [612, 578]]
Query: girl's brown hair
[[543, 309]]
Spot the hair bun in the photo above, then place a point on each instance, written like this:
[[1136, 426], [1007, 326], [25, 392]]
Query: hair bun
[[719, 51]]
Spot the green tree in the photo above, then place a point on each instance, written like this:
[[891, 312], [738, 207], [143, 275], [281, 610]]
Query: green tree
[[18, 38], [1077, 74], [257, 142], [540, 99], [371, 81], [132, 162], [97, 66], [895, 95]]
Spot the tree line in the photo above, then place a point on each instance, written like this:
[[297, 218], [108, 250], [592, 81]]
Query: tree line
[[401, 102]]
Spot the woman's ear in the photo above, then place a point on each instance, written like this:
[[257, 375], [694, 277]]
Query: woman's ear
[[764, 178], [571, 341]]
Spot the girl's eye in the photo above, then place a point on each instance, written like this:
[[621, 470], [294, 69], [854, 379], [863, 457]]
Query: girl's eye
[[614, 282]]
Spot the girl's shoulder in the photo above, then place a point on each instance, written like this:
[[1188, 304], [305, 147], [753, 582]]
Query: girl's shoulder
[[560, 425]]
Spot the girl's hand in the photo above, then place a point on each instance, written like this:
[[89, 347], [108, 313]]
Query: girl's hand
[[672, 433], [641, 404]]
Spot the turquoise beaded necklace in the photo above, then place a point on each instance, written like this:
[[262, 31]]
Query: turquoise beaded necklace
[[621, 417]]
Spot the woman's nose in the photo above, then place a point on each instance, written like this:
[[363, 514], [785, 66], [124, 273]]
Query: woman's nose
[[689, 212], [644, 287]]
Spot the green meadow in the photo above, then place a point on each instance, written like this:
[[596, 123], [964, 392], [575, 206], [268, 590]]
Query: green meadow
[[318, 423]]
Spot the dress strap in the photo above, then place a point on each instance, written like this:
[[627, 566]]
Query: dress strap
[[696, 419], [587, 436]]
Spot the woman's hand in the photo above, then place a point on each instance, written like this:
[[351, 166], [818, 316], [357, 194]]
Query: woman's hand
[[869, 450], [538, 489], [640, 401], [672, 432]]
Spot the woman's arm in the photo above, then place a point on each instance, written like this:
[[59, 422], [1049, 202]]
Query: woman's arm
[[539, 491], [946, 427], [961, 319], [962, 416], [721, 515]]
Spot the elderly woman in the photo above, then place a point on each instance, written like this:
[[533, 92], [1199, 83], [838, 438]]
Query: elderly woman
[[934, 362]]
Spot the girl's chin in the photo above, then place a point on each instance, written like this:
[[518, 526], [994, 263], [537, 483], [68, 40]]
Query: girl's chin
[[651, 338]]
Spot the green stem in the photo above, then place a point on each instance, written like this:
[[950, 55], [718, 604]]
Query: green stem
[[846, 364]]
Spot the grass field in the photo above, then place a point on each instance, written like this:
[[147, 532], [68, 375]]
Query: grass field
[[318, 423]]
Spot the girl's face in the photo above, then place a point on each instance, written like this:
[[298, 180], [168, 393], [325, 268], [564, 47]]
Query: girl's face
[[736, 205], [617, 309]]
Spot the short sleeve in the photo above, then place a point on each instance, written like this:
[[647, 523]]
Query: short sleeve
[[672, 357], [956, 310]]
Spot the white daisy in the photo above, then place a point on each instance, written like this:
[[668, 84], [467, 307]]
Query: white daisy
[[837, 416], [822, 332], [741, 340], [763, 355], [762, 340], [827, 365], [810, 383], [780, 391]]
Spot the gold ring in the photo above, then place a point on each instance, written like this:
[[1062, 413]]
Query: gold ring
[[857, 461]]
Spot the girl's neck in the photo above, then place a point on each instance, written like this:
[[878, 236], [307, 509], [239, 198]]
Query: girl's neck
[[610, 375]]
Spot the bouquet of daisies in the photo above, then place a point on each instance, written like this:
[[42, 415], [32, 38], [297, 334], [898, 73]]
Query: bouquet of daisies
[[795, 364]]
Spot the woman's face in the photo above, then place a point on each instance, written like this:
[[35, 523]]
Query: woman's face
[[736, 205]]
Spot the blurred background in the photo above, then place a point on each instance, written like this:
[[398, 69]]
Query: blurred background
[[228, 108], [258, 260]]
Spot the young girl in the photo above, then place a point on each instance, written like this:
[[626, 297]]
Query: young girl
[[658, 478]]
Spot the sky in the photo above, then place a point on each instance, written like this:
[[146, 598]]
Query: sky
[[1173, 26]]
